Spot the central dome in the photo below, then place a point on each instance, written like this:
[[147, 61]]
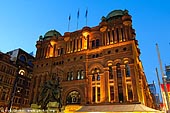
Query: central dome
[[115, 13], [52, 33]]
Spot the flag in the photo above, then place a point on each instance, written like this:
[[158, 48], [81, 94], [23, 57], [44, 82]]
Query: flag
[[86, 13], [78, 14], [69, 18]]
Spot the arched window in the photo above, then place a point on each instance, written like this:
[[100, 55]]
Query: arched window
[[73, 98], [127, 70], [68, 76], [78, 75], [22, 58], [71, 77], [21, 72], [82, 74], [97, 43], [30, 63], [93, 44], [118, 69]]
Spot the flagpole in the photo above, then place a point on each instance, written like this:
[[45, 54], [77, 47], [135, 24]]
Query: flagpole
[[77, 18], [69, 22], [86, 15]]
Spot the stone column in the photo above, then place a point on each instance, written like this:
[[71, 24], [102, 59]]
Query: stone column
[[75, 45], [106, 83], [107, 38], [111, 37], [90, 88], [36, 90], [134, 85], [116, 96], [115, 37], [120, 34], [124, 83]]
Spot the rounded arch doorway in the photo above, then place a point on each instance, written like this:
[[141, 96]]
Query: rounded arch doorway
[[73, 97]]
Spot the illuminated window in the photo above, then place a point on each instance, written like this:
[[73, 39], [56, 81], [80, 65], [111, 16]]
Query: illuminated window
[[21, 72], [78, 75], [82, 74]]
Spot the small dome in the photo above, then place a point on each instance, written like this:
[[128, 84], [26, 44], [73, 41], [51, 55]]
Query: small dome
[[115, 13], [51, 33]]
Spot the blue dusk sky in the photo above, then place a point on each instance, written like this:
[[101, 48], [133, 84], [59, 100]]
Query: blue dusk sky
[[23, 21]]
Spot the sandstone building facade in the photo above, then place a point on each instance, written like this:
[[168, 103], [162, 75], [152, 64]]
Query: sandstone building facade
[[23, 61], [96, 65], [7, 77]]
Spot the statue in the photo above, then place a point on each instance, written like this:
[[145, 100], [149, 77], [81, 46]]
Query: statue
[[50, 92]]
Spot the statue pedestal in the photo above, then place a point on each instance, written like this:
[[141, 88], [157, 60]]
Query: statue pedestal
[[52, 107], [36, 108]]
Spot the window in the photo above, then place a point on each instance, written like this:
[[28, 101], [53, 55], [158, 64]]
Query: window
[[82, 74], [110, 72], [93, 94], [21, 72], [93, 77], [98, 77], [97, 43], [22, 58], [71, 77], [78, 75], [98, 94], [62, 51], [93, 44], [108, 52], [130, 94], [127, 69], [68, 76], [118, 69], [30, 63], [3, 95], [111, 93]]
